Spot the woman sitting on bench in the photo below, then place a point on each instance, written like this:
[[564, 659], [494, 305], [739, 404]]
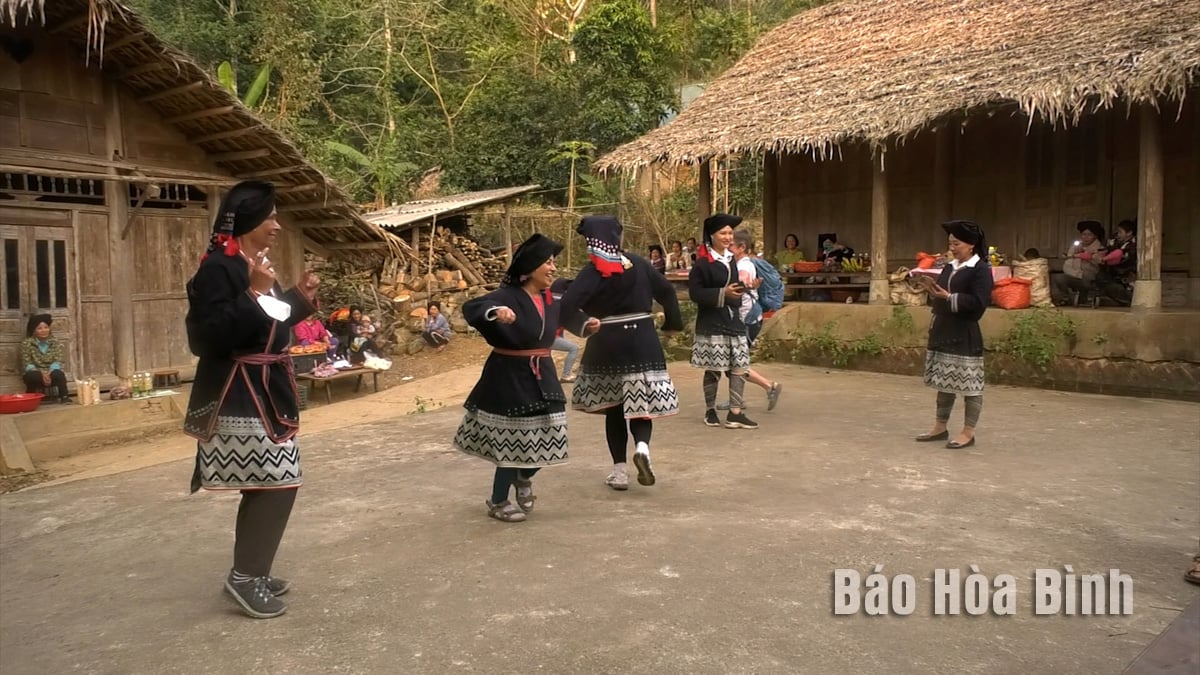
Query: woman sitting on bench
[[41, 359]]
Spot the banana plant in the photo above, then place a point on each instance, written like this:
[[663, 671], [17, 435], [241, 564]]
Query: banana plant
[[572, 151], [228, 79]]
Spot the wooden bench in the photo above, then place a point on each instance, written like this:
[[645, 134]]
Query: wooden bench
[[860, 287], [358, 372]]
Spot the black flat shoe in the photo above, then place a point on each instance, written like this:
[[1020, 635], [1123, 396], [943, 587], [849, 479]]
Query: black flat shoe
[[925, 438], [955, 446]]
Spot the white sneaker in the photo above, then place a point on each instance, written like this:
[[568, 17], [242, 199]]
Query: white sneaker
[[641, 459], [618, 479]]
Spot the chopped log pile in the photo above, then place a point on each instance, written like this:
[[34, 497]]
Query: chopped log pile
[[447, 268]]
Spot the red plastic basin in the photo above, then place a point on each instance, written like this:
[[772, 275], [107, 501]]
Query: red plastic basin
[[19, 403]]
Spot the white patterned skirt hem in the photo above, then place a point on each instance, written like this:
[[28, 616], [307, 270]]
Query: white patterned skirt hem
[[646, 394], [954, 374], [519, 442], [728, 353], [240, 455]]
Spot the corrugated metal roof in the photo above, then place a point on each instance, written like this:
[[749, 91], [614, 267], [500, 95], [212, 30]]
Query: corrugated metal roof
[[404, 216]]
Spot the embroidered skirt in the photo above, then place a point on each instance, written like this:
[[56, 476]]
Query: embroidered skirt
[[240, 456], [521, 442], [954, 374], [728, 353], [642, 394]]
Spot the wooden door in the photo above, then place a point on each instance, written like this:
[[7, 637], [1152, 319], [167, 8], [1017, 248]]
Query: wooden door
[[38, 278], [1067, 179]]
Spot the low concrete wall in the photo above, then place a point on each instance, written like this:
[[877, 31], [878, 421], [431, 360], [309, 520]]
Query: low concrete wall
[[1116, 351], [62, 430]]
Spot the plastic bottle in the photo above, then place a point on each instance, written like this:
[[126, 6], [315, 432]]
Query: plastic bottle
[[992, 257]]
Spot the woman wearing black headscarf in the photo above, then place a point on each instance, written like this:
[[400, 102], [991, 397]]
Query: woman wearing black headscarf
[[42, 359], [624, 374], [243, 410], [516, 414], [954, 360], [721, 343]]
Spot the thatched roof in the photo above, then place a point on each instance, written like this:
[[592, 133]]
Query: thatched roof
[[881, 70], [110, 35]]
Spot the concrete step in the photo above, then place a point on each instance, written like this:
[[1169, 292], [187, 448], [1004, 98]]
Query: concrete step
[[55, 430]]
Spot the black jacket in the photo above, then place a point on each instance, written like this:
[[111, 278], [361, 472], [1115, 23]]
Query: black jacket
[[715, 313], [955, 326]]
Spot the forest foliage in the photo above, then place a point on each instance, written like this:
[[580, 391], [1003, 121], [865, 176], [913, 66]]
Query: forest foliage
[[494, 93]]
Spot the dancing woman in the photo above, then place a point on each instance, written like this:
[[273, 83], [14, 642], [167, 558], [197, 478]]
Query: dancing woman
[[516, 414], [624, 371]]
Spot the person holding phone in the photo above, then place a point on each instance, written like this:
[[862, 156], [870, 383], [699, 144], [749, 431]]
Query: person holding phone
[[722, 345], [954, 358]]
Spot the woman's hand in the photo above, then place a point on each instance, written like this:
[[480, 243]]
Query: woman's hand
[[591, 327], [46, 378], [505, 315], [939, 292], [262, 273], [733, 292], [308, 286]]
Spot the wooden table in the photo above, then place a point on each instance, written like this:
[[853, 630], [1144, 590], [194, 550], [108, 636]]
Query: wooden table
[[356, 371], [860, 281], [998, 273]]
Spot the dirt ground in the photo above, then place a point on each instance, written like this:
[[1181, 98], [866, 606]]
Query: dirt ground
[[726, 565]]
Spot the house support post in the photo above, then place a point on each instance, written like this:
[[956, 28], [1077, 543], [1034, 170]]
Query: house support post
[[704, 192], [1147, 290], [770, 204], [880, 291], [121, 264]]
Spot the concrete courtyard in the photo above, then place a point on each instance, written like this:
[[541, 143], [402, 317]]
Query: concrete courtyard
[[725, 566]]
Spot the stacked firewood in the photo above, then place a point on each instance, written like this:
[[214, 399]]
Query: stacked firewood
[[396, 295]]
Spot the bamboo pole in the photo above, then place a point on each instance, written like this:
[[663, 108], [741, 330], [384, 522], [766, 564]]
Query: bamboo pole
[[508, 234], [880, 293]]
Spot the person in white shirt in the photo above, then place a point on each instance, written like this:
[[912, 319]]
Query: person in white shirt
[[743, 251]]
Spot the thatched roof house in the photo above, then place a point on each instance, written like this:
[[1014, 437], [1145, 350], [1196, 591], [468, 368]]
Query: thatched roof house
[[878, 70], [877, 119], [114, 148], [109, 35]]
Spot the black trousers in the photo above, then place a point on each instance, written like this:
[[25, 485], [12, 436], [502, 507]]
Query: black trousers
[[34, 384], [261, 519]]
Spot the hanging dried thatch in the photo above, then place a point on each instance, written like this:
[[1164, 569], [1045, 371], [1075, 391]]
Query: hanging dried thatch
[[111, 36], [878, 70]]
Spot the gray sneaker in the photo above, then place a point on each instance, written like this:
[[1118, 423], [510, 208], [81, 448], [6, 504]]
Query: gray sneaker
[[278, 586], [773, 395], [256, 598]]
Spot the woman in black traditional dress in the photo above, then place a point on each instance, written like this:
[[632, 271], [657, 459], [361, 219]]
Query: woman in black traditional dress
[[243, 409], [721, 344], [516, 414], [954, 359], [624, 372]]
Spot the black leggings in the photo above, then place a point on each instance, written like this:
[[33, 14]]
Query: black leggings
[[617, 431], [35, 385], [504, 478], [261, 519]]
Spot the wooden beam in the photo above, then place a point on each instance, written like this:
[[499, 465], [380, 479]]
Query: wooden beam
[[704, 194], [125, 41], [239, 155], [356, 246], [223, 135], [101, 175], [314, 247], [770, 209], [201, 114], [323, 224], [181, 89], [73, 22], [1147, 290], [880, 290], [304, 206], [275, 172], [143, 69], [307, 187], [120, 254]]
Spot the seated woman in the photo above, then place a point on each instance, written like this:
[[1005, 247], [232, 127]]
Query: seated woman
[[678, 260], [1118, 266], [832, 249], [311, 331], [791, 252], [657, 259], [1081, 264], [437, 328], [41, 359], [361, 333]]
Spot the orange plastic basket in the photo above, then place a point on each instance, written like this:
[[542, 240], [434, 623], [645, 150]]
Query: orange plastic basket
[[1012, 293], [806, 267]]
